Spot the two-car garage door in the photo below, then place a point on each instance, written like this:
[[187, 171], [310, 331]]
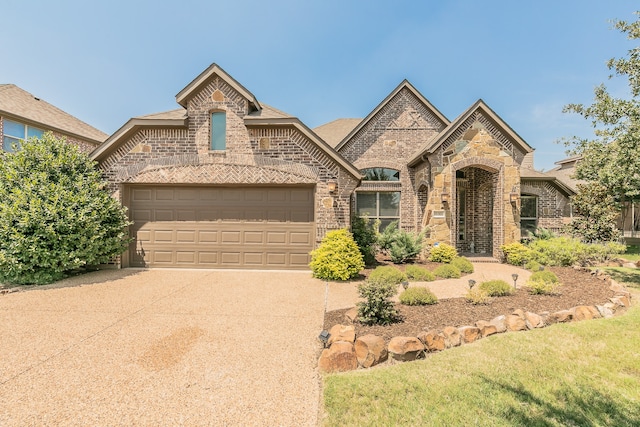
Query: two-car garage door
[[221, 227]]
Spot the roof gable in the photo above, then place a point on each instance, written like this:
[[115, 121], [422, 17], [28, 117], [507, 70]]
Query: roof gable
[[479, 114], [205, 77], [404, 85], [20, 105]]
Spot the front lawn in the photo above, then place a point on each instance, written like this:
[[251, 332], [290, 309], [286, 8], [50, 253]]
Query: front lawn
[[632, 253], [628, 276], [585, 373]]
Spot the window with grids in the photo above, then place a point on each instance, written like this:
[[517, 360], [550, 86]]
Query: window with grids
[[528, 213], [382, 205], [14, 132], [218, 131]]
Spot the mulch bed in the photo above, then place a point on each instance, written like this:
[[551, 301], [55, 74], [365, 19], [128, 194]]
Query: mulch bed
[[578, 288]]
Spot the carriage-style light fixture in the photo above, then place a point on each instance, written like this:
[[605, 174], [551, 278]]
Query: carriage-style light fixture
[[444, 197], [513, 198], [332, 186]]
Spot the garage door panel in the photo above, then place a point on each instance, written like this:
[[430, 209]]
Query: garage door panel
[[234, 227]]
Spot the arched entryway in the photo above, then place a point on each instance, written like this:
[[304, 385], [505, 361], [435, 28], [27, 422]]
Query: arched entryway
[[477, 212]]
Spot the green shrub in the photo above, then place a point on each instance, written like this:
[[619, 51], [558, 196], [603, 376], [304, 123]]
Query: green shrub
[[447, 271], [545, 276], [365, 235], [377, 307], [406, 246], [496, 288], [419, 274], [55, 215], [463, 264], [388, 236], [418, 296], [442, 253], [337, 257], [533, 266], [387, 274], [517, 253], [477, 296], [541, 287]]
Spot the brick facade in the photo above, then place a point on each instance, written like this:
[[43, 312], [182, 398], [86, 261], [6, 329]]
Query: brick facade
[[255, 154], [554, 207]]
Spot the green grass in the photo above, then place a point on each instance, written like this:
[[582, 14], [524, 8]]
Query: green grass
[[578, 374], [624, 275], [632, 253]]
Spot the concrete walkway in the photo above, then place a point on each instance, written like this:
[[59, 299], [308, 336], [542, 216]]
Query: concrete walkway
[[345, 295]]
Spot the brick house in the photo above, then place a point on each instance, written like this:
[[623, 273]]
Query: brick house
[[227, 181], [23, 115]]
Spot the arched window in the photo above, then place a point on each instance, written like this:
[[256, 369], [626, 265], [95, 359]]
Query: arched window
[[380, 174], [218, 130]]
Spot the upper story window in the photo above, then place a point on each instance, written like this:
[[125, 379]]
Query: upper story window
[[14, 132], [218, 130], [381, 174]]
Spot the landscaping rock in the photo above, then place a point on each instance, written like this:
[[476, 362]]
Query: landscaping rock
[[638, 263], [405, 348], [370, 350], [611, 306], [351, 315], [604, 311], [500, 322], [486, 328], [629, 265], [533, 320], [560, 316], [515, 322], [616, 287], [469, 334], [584, 312], [342, 333], [432, 340], [339, 357], [621, 300], [452, 336]]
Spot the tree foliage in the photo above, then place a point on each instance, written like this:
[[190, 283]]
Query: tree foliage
[[55, 215], [612, 157], [597, 212]]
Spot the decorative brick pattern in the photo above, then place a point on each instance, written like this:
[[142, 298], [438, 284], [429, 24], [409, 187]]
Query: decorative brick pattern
[[553, 206], [389, 139], [182, 155]]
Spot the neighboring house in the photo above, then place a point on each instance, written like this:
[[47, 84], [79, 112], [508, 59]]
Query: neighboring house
[[23, 116], [226, 181], [629, 221]]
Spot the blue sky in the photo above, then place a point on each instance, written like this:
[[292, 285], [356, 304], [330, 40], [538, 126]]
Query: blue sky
[[109, 61]]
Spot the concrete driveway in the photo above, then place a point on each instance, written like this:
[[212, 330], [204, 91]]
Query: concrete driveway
[[163, 347]]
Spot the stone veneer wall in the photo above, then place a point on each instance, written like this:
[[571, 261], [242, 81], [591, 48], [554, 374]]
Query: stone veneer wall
[[554, 208], [388, 140], [478, 148], [255, 155]]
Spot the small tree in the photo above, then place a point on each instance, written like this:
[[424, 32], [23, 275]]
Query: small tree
[[55, 215], [365, 235], [597, 213]]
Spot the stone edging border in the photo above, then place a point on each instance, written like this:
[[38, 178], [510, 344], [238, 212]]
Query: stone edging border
[[346, 353]]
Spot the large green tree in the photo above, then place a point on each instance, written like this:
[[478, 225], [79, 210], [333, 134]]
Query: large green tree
[[55, 213], [612, 157]]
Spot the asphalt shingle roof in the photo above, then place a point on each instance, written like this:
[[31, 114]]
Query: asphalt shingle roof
[[20, 103]]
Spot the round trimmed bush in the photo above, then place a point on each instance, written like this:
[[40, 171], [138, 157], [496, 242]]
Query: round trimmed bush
[[442, 253], [337, 257], [387, 274], [533, 266], [418, 296], [545, 276], [419, 274], [463, 264], [496, 288], [517, 253], [477, 296], [541, 287], [447, 271]]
